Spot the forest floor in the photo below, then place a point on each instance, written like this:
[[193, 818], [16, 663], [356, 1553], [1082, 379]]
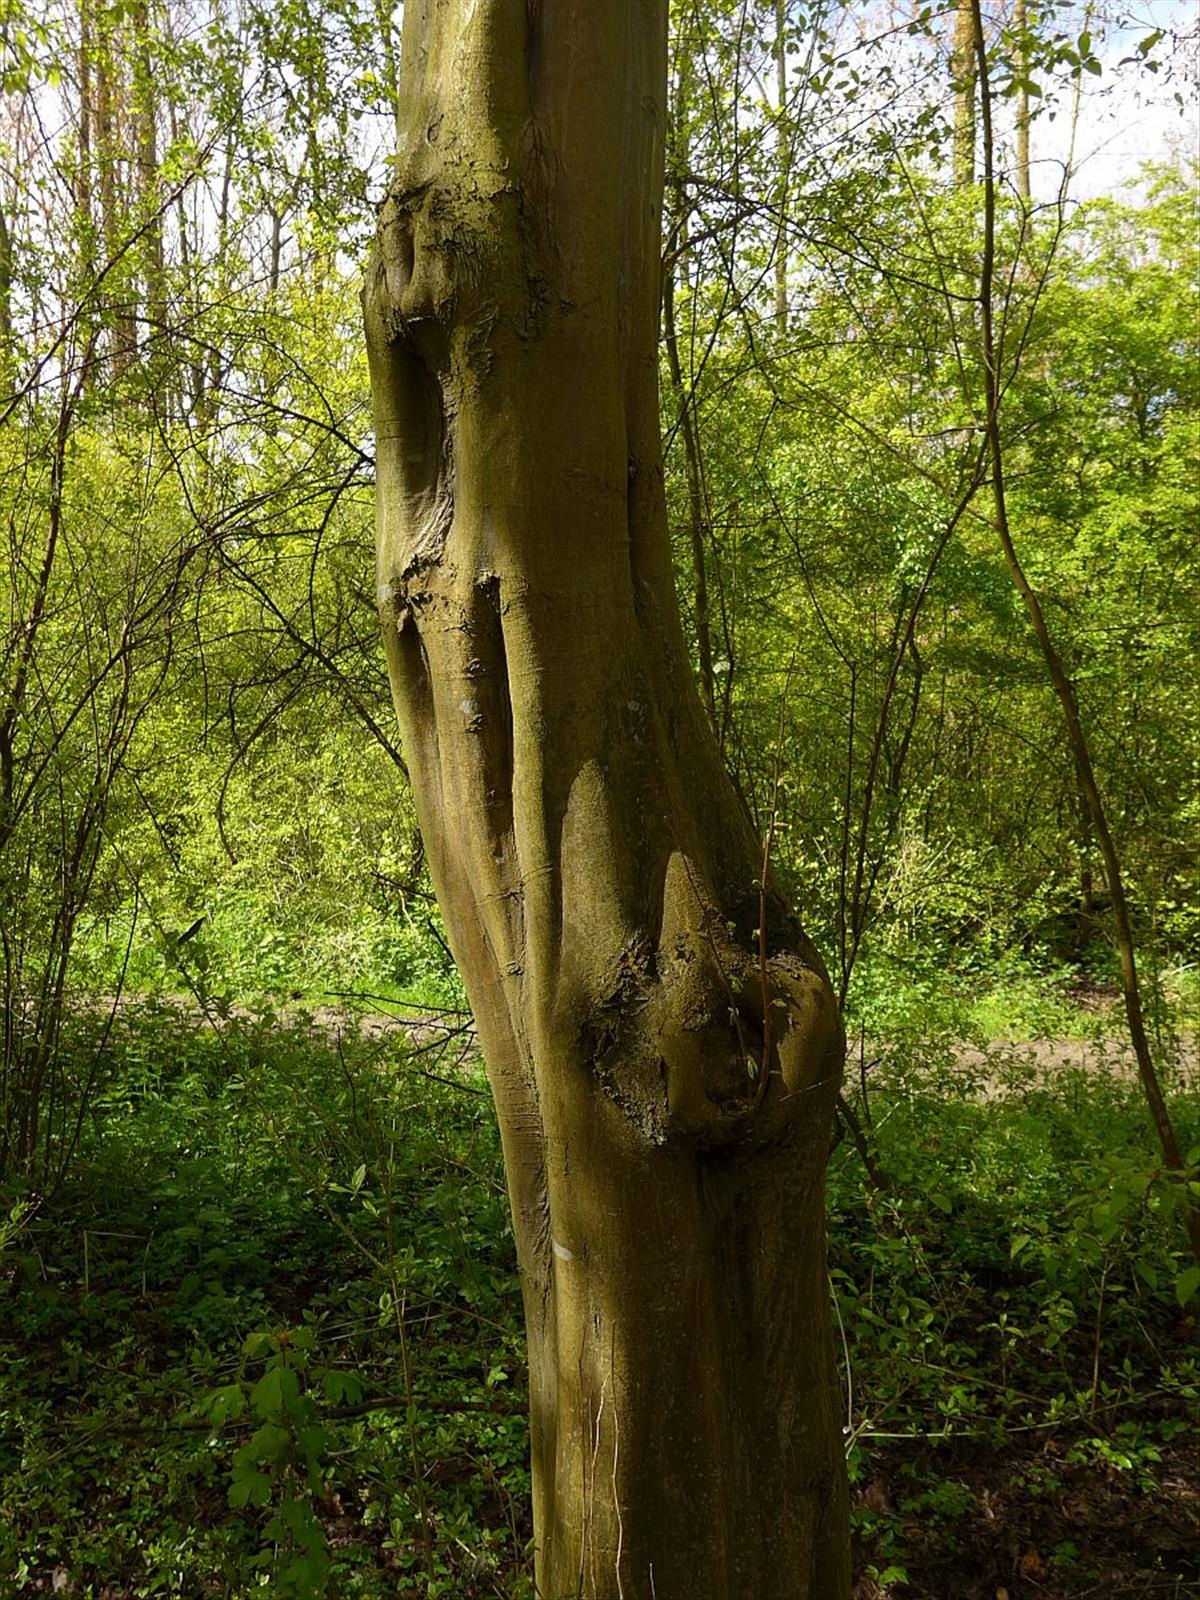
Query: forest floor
[[314, 1191], [1042, 1520]]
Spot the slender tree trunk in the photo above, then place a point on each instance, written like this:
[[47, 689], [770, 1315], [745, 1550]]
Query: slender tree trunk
[[106, 138], [189, 287], [685, 398], [7, 345], [210, 372], [146, 118], [664, 1088], [276, 254], [109, 142], [697, 517], [84, 219], [1020, 22], [784, 157], [962, 74], [1063, 684]]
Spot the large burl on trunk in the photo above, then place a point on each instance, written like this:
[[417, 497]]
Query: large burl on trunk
[[664, 1078]]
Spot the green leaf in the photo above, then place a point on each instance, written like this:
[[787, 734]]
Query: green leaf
[[229, 1401], [275, 1391], [268, 1443], [1186, 1284], [250, 1489], [342, 1387]]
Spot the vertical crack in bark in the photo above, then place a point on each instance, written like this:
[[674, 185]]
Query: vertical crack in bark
[[489, 711]]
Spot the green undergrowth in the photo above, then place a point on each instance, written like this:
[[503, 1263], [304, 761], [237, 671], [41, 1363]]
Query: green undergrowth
[[241, 948], [268, 1340], [202, 1389], [918, 993]]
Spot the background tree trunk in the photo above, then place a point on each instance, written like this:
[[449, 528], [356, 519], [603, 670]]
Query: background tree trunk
[[784, 156], [684, 390], [1064, 684], [111, 158], [145, 116], [962, 75], [1021, 26], [664, 1077], [7, 345], [84, 220]]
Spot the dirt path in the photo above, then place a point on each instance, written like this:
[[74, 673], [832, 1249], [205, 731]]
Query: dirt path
[[998, 1068], [1043, 1060]]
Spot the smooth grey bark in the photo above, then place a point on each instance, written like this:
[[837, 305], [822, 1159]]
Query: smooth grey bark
[[664, 1077]]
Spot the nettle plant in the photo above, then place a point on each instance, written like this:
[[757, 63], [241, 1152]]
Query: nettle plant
[[283, 1467]]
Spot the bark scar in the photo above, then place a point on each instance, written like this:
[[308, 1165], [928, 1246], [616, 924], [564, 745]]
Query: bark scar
[[678, 1043]]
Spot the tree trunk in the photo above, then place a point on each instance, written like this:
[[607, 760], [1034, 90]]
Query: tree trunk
[[7, 343], [84, 220], [664, 1090], [1021, 25], [109, 152], [962, 74], [145, 115], [1063, 683], [783, 155], [684, 392]]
